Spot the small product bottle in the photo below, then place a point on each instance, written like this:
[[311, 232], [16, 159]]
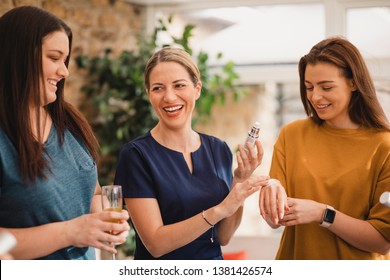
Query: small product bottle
[[253, 135]]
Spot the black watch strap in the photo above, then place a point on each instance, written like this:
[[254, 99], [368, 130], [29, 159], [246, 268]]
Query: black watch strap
[[328, 217]]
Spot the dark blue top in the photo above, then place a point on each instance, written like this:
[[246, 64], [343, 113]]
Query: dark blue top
[[66, 193], [147, 169]]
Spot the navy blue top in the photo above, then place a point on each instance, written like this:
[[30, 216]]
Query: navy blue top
[[65, 194], [147, 169]]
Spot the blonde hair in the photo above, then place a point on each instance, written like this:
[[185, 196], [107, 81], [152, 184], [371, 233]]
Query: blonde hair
[[170, 54]]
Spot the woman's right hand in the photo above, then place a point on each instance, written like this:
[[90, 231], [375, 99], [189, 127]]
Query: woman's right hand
[[273, 202], [241, 191], [94, 230]]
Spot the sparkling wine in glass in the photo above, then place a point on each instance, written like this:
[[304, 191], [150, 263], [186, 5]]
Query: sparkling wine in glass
[[112, 200]]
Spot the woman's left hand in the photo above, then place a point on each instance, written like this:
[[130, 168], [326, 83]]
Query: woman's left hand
[[248, 161], [302, 211]]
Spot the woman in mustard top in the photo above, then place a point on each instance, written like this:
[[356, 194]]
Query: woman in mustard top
[[332, 167]]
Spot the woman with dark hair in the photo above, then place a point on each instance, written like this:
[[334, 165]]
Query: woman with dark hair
[[48, 176], [178, 184], [333, 166]]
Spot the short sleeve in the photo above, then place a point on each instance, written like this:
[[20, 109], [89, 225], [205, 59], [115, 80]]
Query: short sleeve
[[223, 159], [132, 173], [229, 174], [379, 216]]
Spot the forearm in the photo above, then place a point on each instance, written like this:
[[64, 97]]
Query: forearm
[[161, 239], [39, 241], [228, 226], [236, 180], [96, 204], [167, 238], [360, 234]]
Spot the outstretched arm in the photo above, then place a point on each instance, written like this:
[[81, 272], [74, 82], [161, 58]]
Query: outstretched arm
[[83, 231], [358, 233], [247, 162], [160, 239], [239, 193], [86, 230]]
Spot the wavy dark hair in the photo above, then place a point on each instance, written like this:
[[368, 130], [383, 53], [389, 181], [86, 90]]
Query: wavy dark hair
[[22, 31], [364, 106]]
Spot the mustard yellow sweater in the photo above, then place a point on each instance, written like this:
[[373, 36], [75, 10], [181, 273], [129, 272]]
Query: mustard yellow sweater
[[346, 168]]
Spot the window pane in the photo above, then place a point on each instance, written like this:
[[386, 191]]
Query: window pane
[[369, 30], [258, 34]]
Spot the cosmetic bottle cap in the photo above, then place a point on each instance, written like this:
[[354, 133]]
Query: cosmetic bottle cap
[[254, 132]]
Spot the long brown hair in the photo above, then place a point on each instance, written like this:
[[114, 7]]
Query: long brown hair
[[364, 106], [22, 31]]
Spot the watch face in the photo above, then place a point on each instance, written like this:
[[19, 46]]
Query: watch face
[[329, 215]]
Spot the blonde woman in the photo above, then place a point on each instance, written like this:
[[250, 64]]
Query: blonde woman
[[178, 184]]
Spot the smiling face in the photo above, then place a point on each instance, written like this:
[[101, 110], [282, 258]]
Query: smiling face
[[173, 94], [329, 92], [55, 50]]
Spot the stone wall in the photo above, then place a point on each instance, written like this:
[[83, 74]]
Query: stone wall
[[96, 25]]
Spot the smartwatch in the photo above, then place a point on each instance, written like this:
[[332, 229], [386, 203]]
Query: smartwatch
[[328, 218]]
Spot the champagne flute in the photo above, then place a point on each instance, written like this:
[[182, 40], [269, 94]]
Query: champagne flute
[[112, 200]]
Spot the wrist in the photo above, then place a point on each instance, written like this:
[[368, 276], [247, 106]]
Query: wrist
[[67, 229], [206, 220], [237, 180], [66, 233], [321, 212], [219, 212]]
